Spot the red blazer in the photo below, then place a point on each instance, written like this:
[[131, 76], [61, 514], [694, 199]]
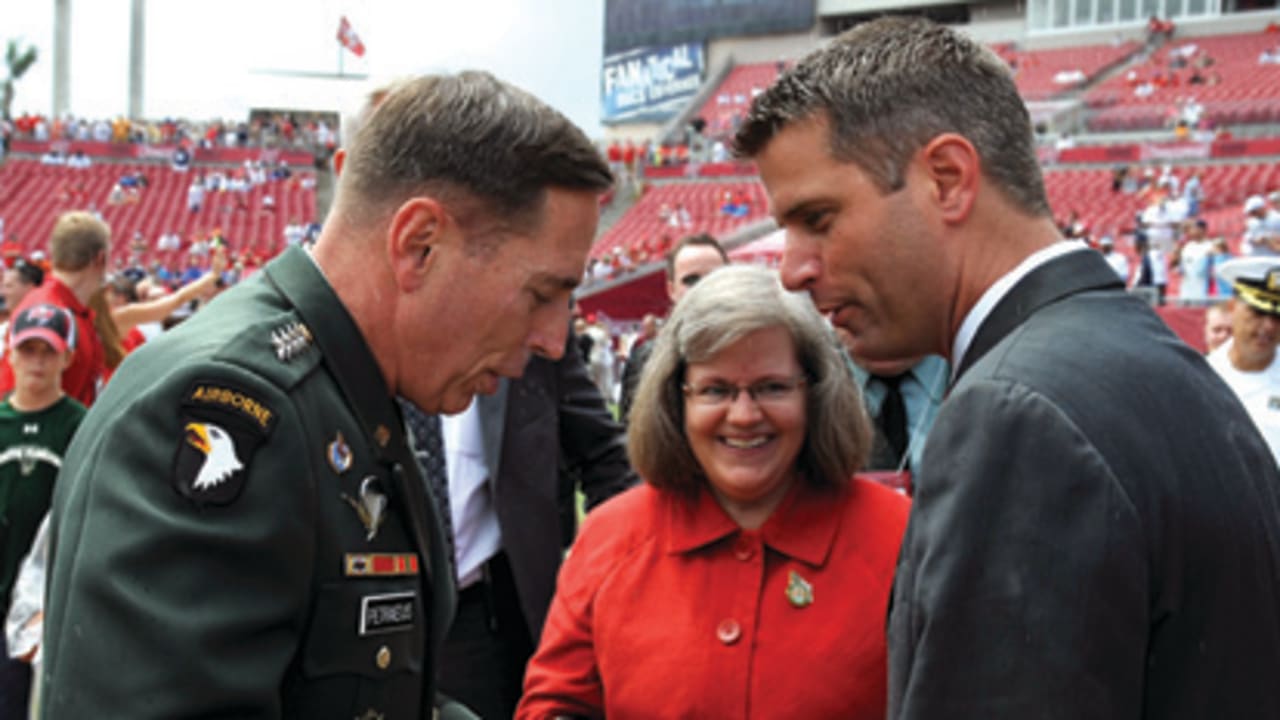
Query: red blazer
[[666, 608]]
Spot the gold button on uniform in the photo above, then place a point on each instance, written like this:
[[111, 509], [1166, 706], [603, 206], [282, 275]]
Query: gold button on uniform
[[728, 631], [383, 658], [382, 435]]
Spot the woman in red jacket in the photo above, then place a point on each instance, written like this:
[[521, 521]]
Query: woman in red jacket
[[749, 577]]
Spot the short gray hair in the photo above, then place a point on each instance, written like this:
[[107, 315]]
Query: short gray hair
[[890, 86], [730, 303], [468, 138]]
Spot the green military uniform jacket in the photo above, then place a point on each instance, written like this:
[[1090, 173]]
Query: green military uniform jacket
[[241, 531]]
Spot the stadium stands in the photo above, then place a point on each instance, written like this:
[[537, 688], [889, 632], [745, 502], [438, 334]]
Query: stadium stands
[[703, 201], [731, 99], [1087, 191], [1046, 74], [32, 196], [1233, 86]]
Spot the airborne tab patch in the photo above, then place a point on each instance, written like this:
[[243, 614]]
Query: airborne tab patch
[[231, 399], [220, 427]]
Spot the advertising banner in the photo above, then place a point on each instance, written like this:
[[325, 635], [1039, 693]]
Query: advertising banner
[[649, 84]]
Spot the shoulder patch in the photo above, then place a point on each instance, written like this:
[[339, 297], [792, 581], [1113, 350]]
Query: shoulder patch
[[221, 426], [230, 399], [277, 348]]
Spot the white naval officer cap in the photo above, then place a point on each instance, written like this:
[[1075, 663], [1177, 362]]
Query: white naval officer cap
[[1256, 281]]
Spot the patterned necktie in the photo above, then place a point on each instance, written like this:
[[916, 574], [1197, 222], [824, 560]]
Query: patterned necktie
[[428, 449]]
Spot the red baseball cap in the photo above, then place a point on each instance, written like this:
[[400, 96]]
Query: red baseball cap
[[45, 322]]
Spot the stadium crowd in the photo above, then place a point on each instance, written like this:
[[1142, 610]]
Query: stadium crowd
[[282, 130]]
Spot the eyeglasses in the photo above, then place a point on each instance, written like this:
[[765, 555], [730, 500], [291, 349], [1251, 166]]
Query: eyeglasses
[[764, 392]]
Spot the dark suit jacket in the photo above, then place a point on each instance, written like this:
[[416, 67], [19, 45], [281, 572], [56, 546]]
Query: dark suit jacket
[[1096, 526], [631, 373], [542, 432]]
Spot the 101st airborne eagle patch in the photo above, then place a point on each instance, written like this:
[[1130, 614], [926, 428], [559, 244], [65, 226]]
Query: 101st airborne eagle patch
[[221, 425]]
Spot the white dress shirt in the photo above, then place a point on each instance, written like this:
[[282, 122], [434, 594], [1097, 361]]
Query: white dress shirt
[[476, 533], [1258, 391]]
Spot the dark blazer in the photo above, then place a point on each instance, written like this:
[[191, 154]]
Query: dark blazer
[[544, 433], [631, 373], [1096, 525]]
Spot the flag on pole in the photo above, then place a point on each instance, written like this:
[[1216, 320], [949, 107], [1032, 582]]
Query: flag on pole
[[348, 37]]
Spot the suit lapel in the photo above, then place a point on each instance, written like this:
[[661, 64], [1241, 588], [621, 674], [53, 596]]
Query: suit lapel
[[1065, 275]]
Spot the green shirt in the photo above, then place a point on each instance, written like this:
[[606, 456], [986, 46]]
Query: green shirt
[[31, 448]]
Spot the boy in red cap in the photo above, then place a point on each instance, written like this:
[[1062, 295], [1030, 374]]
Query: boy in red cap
[[37, 421]]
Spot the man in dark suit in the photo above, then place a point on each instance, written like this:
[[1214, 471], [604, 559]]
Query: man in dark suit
[[531, 445], [1096, 525]]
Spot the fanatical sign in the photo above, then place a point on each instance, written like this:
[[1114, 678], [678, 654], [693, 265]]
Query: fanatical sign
[[650, 83]]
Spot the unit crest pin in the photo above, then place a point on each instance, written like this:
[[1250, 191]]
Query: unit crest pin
[[339, 454]]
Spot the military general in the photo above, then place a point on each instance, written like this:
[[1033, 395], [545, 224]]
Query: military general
[[240, 529]]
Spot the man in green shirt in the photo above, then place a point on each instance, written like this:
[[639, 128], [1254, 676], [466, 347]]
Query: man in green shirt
[[37, 421]]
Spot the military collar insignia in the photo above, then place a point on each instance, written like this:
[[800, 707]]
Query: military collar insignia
[[222, 425], [290, 340], [334, 334], [799, 591], [339, 454], [370, 507]]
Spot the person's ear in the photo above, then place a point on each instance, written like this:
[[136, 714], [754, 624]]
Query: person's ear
[[953, 168], [339, 160], [417, 230]]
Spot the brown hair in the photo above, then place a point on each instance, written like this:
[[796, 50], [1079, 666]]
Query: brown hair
[[699, 240], [890, 86], [469, 139], [105, 325], [729, 304], [78, 239]]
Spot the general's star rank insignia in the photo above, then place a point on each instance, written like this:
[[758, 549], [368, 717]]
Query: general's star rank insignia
[[290, 340], [221, 425]]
